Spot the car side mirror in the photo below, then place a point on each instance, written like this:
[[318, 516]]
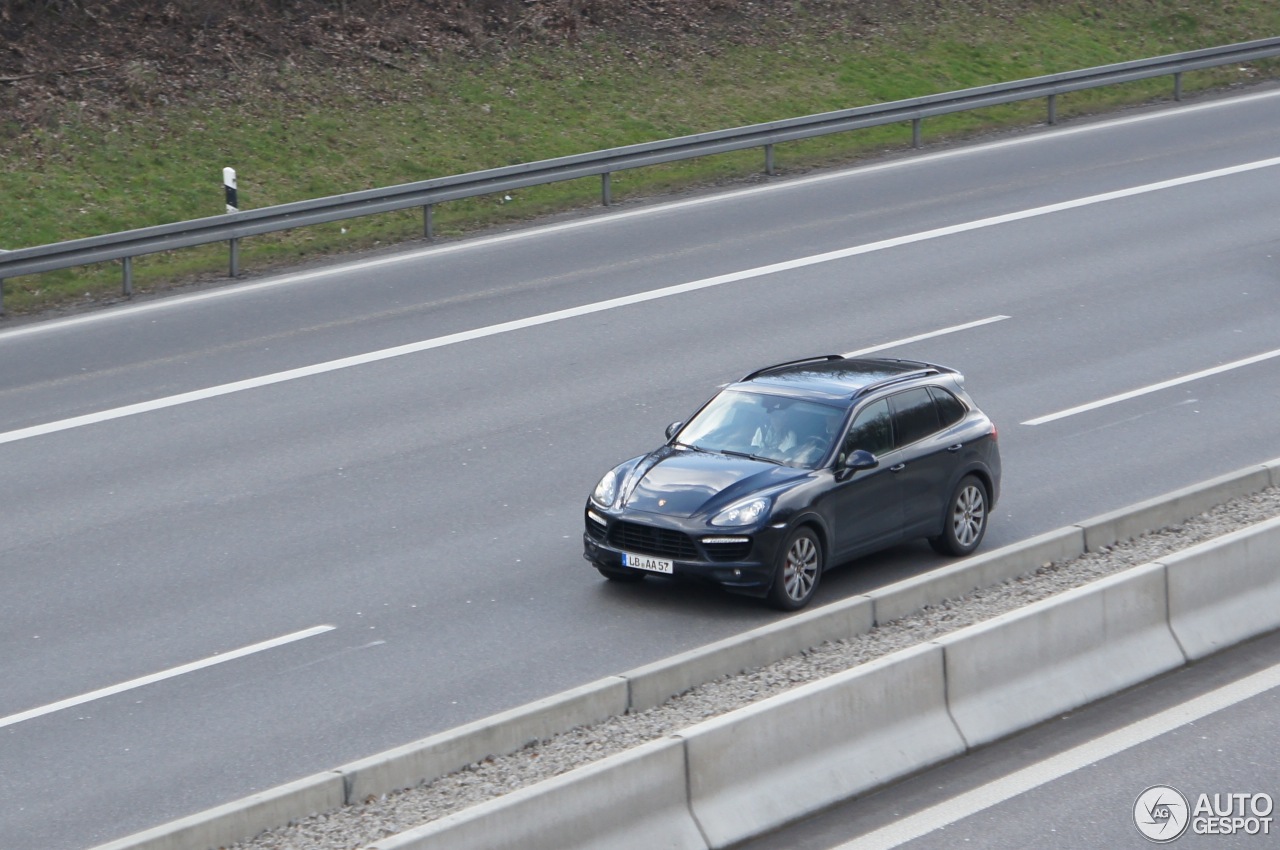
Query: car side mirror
[[673, 428], [860, 459]]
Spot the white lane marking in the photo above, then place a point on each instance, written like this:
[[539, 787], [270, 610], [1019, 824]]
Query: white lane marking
[[910, 339], [161, 676], [1163, 385], [1029, 778], [930, 335], [624, 301], [621, 216]]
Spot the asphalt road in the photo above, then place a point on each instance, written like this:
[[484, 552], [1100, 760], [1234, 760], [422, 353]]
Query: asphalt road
[[369, 477]]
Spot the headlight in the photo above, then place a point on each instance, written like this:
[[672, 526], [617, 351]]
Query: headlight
[[742, 513], [607, 490]]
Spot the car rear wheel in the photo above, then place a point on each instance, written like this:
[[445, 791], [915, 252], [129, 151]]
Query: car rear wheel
[[798, 571], [965, 521], [621, 575]]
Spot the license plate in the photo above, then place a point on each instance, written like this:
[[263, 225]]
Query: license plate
[[644, 562]]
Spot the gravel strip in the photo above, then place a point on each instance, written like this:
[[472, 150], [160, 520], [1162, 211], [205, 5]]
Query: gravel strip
[[355, 826]]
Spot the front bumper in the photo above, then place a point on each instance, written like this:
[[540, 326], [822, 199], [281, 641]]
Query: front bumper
[[738, 560]]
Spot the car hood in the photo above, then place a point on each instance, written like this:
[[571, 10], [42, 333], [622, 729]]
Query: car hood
[[685, 482]]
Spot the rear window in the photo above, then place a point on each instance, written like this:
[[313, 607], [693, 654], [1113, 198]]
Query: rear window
[[950, 409]]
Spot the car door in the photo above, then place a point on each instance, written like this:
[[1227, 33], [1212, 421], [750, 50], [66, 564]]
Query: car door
[[866, 506], [928, 458]]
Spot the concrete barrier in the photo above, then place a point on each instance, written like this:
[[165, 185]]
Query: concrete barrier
[[440, 755], [631, 801], [1226, 590], [653, 684], [245, 818], [955, 580], [1025, 666], [1173, 508], [767, 764]]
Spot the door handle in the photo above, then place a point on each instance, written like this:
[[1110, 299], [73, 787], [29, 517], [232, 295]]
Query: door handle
[[898, 467], [957, 447]]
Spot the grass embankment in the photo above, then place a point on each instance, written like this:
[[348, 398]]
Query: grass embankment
[[293, 136]]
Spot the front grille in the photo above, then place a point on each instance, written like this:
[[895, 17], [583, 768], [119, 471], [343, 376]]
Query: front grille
[[646, 540]]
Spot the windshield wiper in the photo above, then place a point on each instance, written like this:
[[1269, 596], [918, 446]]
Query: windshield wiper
[[751, 457], [693, 447]]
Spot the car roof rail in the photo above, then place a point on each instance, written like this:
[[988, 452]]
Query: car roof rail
[[921, 365], [925, 370], [821, 358]]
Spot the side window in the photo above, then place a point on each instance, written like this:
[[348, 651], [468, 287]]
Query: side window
[[950, 409], [870, 431], [914, 416]]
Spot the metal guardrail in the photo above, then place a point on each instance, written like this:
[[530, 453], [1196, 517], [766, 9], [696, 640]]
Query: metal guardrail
[[232, 227]]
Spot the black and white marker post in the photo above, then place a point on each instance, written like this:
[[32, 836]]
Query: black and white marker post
[[233, 205], [229, 184]]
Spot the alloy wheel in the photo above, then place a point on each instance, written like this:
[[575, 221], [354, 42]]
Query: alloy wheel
[[969, 515]]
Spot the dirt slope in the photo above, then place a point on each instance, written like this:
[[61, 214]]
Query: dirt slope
[[99, 56]]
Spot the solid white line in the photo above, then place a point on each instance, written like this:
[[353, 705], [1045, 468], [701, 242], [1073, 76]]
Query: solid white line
[[161, 676], [862, 352], [1163, 385], [1029, 778], [623, 215], [624, 301]]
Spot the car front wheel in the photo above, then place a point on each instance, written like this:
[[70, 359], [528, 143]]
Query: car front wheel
[[798, 571], [965, 521]]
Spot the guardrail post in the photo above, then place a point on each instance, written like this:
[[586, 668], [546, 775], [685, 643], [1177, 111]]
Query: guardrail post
[[1177, 85], [915, 131], [127, 289], [235, 257], [428, 226], [1, 296], [606, 188], [768, 160], [1053, 109]]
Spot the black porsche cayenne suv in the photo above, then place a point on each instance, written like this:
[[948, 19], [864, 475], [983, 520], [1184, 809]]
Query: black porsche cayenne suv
[[796, 467]]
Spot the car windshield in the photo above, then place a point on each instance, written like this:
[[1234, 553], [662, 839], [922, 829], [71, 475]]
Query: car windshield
[[784, 430]]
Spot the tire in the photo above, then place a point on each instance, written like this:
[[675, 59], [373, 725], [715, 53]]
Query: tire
[[798, 571], [624, 576], [965, 522]]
